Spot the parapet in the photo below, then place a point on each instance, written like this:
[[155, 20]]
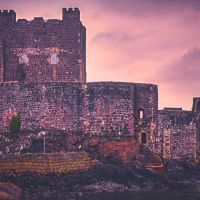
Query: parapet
[[70, 13], [22, 21], [71, 10], [7, 12], [38, 19], [8, 16]]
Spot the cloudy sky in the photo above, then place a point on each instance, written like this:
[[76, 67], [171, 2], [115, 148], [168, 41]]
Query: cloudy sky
[[150, 41]]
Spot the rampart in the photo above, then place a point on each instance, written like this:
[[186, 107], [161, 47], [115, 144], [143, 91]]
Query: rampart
[[95, 108]]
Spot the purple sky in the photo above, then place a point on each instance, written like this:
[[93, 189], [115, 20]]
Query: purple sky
[[151, 41]]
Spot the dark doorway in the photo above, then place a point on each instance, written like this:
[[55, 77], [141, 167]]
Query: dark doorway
[[144, 138]]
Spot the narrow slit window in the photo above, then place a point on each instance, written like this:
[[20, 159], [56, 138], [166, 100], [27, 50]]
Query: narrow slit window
[[24, 59], [141, 114], [54, 59], [143, 138]]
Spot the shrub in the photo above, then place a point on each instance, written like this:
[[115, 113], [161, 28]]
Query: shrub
[[15, 124]]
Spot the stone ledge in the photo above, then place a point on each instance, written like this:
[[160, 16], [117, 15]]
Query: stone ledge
[[47, 163]]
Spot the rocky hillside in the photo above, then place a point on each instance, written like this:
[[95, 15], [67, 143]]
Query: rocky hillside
[[105, 178]]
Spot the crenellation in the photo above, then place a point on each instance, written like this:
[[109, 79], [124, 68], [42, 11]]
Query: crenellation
[[38, 19], [7, 17], [71, 15]]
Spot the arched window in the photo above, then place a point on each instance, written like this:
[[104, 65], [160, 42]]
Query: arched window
[[24, 59], [141, 114], [143, 138], [54, 59]]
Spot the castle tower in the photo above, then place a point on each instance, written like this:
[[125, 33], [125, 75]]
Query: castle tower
[[70, 15], [71, 19], [7, 17], [7, 20], [43, 50]]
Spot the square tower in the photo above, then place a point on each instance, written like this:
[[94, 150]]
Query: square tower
[[43, 50]]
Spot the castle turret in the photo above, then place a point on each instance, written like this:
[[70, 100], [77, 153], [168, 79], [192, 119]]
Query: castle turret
[[76, 38], [71, 14], [7, 17]]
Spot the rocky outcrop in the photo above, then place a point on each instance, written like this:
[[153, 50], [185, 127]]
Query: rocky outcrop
[[9, 191], [106, 178]]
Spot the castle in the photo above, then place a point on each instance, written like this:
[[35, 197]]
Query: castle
[[43, 79]]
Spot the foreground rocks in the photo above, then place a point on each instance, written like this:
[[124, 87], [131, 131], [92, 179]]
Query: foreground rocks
[[106, 178], [9, 191]]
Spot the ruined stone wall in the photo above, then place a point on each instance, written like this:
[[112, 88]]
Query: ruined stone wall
[[45, 51], [176, 134]]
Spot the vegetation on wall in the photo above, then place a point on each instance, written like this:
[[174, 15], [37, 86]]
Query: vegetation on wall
[[15, 124]]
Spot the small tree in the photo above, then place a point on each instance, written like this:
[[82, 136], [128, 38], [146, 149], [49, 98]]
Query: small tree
[[15, 124]]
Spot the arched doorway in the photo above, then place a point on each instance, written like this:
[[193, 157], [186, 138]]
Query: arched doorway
[[143, 138]]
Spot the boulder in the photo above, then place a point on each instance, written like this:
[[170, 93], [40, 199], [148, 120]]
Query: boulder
[[9, 191]]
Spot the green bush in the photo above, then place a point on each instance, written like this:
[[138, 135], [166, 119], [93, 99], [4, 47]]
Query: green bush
[[15, 124]]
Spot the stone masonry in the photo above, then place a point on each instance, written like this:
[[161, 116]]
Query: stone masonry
[[176, 134], [93, 108], [43, 80]]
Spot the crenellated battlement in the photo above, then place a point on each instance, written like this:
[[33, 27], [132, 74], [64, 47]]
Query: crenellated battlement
[[70, 13], [72, 10], [7, 16], [6, 12], [38, 19]]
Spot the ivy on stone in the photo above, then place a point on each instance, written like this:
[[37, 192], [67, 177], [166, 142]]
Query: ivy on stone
[[15, 124]]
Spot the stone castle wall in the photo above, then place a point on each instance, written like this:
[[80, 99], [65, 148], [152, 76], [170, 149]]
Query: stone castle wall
[[109, 108], [41, 106], [94, 108]]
